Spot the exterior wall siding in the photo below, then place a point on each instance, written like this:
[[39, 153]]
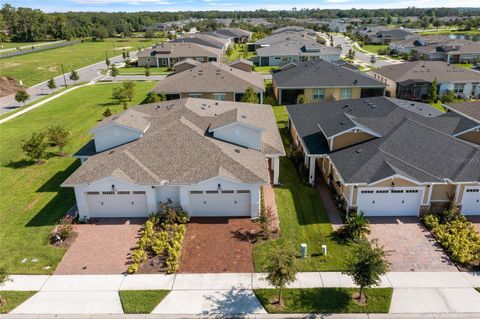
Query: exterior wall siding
[[112, 136], [350, 138]]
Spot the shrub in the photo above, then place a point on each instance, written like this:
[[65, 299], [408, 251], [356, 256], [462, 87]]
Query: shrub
[[270, 100], [139, 256], [356, 227], [160, 243], [133, 268], [107, 112], [448, 97]]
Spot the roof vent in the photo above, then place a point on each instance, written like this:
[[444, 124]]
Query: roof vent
[[373, 106], [358, 151], [237, 150], [342, 123], [345, 106]]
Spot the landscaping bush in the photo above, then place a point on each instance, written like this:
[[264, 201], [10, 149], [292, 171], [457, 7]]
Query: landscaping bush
[[456, 235], [356, 227], [65, 230]]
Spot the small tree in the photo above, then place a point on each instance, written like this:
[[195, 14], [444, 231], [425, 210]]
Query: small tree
[[107, 62], [107, 112], [35, 146], [281, 269], [149, 34], [129, 89], [302, 99], [51, 84], [366, 266], [152, 98], [113, 71], [147, 71], [74, 76], [250, 96], [432, 92], [356, 227], [229, 51], [22, 96], [448, 97], [119, 94], [58, 136]]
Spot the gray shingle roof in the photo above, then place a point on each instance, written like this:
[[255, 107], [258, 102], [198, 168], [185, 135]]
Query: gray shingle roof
[[211, 77], [234, 32], [297, 47], [284, 36], [418, 144], [180, 50], [176, 148], [469, 109], [320, 73]]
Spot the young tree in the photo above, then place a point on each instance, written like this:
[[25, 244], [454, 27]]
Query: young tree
[[129, 89], [51, 84], [281, 269], [149, 34], [432, 92], [119, 94], [250, 96], [107, 62], [58, 136], [147, 71], [74, 76], [152, 97], [114, 71], [22, 96], [448, 97], [35, 146], [107, 112], [229, 51], [356, 227], [366, 266]]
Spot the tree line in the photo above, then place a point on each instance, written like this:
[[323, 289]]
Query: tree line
[[26, 24]]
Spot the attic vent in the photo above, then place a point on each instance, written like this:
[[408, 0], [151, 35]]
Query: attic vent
[[373, 106], [244, 117], [342, 123], [345, 106], [237, 150], [358, 151], [412, 104]]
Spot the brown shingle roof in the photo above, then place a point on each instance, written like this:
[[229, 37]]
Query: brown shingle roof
[[177, 148]]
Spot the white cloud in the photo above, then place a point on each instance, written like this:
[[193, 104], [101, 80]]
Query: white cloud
[[128, 2]]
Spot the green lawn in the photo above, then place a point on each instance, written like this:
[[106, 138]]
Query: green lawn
[[326, 300], [8, 45], [438, 106], [32, 200], [374, 48], [141, 71], [240, 51], [141, 301], [37, 67], [302, 219], [14, 299], [464, 65], [265, 69]]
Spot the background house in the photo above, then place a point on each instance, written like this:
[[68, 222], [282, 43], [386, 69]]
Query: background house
[[320, 81], [411, 80], [209, 157], [238, 35], [212, 80], [389, 157]]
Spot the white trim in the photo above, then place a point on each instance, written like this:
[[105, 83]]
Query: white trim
[[357, 128], [99, 128], [239, 123], [475, 128], [394, 176]]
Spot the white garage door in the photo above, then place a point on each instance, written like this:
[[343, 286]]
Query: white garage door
[[471, 200], [220, 203], [117, 204], [384, 201]]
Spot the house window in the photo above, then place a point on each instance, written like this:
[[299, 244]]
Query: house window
[[138, 192], [228, 192], [108, 193], [196, 192], [123, 192], [211, 192], [200, 59], [458, 88], [195, 95], [318, 94], [345, 94], [219, 96], [243, 191], [97, 193]]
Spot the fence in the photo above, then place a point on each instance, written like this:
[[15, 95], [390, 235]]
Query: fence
[[39, 48]]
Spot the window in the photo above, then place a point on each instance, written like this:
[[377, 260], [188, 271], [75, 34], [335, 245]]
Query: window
[[97, 193], [195, 95], [123, 192], [473, 190], [243, 192], [366, 192], [345, 94], [138, 192], [458, 88], [200, 59], [219, 96], [397, 191], [108, 193], [318, 94], [227, 192], [211, 192], [411, 191], [196, 192], [382, 192]]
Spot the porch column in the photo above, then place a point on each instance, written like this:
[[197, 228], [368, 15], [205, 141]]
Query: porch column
[[152, 205], [276, 169], [261, 97], [311, 174], [158, 63]]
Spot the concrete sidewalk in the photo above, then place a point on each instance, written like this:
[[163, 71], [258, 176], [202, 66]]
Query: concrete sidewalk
[[231, 293]]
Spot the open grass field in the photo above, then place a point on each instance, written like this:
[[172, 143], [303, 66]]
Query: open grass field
[[302, 219], [32, 199], [40, 66], [8, 45], [14, 299], [141, 301], [374, 48], [141, 71], [326, 300]]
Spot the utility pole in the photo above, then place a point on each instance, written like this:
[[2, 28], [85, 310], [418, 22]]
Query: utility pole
[[64, 79]]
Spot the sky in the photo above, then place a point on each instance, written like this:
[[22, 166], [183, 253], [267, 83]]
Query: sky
[[226, 5]]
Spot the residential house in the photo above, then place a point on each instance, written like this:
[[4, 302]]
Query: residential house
[[206, 40], [165, 27], [320, 81], [212, 80], [283, 37], [389, 157], [295, 29], [169, 53], [409, 45], [294, 51], [238, 35], [382, 35], [412, 80], [208, 157]]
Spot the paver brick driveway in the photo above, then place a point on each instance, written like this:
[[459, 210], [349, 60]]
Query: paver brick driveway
[[411, 246], [214, 245], [102, 247]]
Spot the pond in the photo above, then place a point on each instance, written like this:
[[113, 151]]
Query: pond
[[473, 37]]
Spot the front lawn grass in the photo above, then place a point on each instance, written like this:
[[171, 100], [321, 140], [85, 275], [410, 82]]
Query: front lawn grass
[[302, 219], [325, 300], [32, 199], [467, 66], [265, 69], [374, 48], [141, 301], [14, 299], [438, 105], [141, 71], [36, 67], [240, 51]]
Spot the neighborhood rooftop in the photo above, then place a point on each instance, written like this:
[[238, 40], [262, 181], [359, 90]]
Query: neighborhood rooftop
[[179, 49]]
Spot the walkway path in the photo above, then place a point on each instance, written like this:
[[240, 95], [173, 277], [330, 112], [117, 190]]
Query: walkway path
[[329, 204], [414, 292]]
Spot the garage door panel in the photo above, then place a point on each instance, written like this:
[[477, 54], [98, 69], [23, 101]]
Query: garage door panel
[[471, 200], [220, 203], [117, 204], [389, 202]]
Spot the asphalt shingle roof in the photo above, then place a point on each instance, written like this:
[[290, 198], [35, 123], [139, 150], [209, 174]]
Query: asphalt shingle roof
[[302, 47], [320, 73], [177, 148], [414, 141], [470, 109]]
